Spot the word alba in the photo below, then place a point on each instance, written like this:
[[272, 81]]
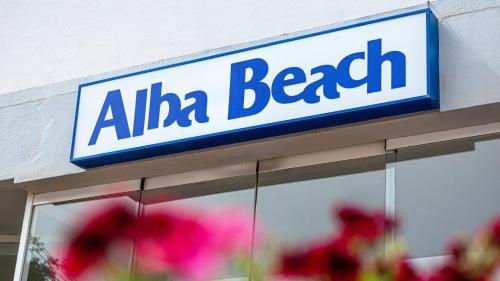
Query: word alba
[[193, 108]]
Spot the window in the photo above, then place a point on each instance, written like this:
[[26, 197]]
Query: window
[[440, 189], [235, 191], [52, 222], [296, 204], [445, 188]]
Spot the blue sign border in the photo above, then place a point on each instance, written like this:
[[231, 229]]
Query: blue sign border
[[429, 101]]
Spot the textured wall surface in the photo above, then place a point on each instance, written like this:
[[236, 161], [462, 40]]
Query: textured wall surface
[[48, 41], [42, 42]]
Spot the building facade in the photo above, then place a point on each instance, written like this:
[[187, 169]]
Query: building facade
[[437, 168]]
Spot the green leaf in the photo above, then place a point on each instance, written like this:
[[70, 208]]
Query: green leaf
[[373, 276]]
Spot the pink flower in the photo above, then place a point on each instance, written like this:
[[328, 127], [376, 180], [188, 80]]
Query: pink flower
[[88, 247], [233, 228], [449, 273], [494, 231], [185, 243], [332, 261], [457, 249], [406, 272], [359, 223], [189, 244], [340, 263], [171, 243]]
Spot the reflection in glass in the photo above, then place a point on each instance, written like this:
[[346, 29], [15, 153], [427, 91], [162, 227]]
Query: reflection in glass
[[297, 204], [51, 226], [444, 189], [8, 254], [232, 192]]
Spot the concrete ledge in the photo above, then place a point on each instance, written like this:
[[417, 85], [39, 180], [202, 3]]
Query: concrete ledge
[[315, 141]]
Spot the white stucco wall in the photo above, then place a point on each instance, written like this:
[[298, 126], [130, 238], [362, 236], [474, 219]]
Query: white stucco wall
[[42, 42], [48, 41]]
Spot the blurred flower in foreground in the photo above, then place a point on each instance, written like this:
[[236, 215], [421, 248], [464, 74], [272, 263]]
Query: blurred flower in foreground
[[195, 244], [185, 243], [360, 223], [88, 248], [191, 245], [339, 257], [477, 260], [393, 266], [332, 259]]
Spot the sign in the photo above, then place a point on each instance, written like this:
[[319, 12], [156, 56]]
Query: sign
[[368, 70]]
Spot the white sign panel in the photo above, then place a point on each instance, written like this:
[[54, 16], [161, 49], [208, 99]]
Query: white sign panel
[[373, 69]]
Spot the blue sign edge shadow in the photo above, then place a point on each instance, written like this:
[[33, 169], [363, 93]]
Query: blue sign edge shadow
[[331, 119]]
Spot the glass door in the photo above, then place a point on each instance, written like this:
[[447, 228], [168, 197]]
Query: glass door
[[52, 223], [445, 189], [205, 200]]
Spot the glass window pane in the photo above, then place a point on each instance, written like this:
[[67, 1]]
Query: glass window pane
[[231, 192], [296, 205], [52, 223], [12, 204], [444, 189], [8, 254]]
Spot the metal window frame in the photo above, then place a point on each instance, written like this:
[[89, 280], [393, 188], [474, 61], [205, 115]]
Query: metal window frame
[[266, 165], [342, 154], [34, 200], [86, 192], [199, 176], [322, 157], [470, 134], [24, 237], [388, 147], [390, 197], [442, 136]]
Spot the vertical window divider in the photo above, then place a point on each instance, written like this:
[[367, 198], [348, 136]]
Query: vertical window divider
[[390, 197], [139, 213], [257, 164], [23, 240]]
